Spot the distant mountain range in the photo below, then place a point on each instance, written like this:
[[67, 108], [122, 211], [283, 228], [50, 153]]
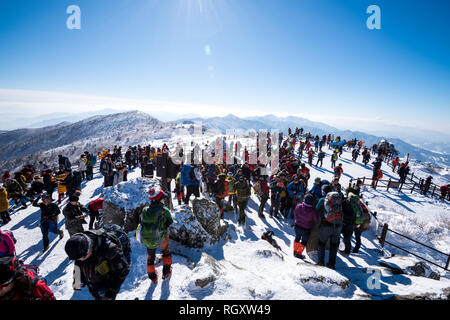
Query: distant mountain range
[[135, 127], [270, 122]]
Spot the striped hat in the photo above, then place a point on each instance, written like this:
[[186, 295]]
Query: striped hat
[[155, 194]]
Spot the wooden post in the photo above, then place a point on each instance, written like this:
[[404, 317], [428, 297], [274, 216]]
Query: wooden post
[[414, 186], [412, 176], [448, 262], [389, 182], [383, 234], [376, 184], [434, 189], [364, 179]]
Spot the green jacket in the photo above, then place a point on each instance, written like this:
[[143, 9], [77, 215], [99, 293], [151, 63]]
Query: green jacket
[[154, 226]]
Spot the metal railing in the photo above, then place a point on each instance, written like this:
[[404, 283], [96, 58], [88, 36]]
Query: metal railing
[[383, 241]]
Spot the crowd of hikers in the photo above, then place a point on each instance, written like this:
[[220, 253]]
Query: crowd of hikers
[[102, 253]]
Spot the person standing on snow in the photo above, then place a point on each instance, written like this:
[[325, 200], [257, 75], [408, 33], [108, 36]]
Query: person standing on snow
[[243, 195], [153, 232], [330, 212], [49, 218], [305, 215], [73, 212], [100, 263]]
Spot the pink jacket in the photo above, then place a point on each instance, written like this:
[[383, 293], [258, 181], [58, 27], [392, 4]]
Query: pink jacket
[[7, 246]]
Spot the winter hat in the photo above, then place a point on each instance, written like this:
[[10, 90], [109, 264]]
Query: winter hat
[[78, 246], [73, 198], [309, 199], [155, 194]]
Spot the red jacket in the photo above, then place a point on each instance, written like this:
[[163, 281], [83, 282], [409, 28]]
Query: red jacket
[[96, 204]]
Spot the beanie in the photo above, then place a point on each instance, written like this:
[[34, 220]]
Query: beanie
[[78, 246]]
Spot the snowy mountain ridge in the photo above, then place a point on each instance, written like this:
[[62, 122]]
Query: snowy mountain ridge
[[243, 266]]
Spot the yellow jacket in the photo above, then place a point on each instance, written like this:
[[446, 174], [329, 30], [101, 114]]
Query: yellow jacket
[[4, 203], [61, 187]]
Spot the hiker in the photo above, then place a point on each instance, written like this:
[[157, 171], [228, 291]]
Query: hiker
[[338, 171], [4, 206], [352, 221], [64, 162], [101, 262], [7, 243], [243, 195], [395, 163], [21, 282], [107, 170], [220, 191], [190, 178], [276, 187], [73, 212], [153, 233], [49, 218], [427, 185], [15, 192], [330, 211], [296, 190], [334, 158], [305, 215], [263, 195], [316, 190], [232, 199], [94, 207], [320, 158], [444, 191]]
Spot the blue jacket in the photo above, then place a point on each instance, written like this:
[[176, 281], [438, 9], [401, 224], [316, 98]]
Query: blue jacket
[[316, 191], [185, 176], [295, 187]]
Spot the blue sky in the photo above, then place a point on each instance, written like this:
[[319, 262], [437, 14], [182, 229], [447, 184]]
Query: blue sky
[[312, 58]]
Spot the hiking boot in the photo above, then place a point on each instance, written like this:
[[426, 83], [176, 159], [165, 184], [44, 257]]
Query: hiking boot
[[167, 271], [61, 234], [153, 276], [261, 216], [299, 256], [346, 252], [331, 266], [45, 249]]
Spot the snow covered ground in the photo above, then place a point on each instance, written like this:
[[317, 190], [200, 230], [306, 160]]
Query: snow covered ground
[[242, 266]]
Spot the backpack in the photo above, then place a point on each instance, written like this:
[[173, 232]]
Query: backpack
[[185, 176], [118, 236], [333, 208], [93, 159], [354, 202], [16, 266]]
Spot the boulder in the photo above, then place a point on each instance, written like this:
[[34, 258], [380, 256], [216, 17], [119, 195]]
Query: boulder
[[193, 228], [399, 264], [197, 227], [124, 202]]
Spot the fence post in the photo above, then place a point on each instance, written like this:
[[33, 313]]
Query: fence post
[[364, 179], [414, 186], [412, 177], [389, 182], [376, 184], [383, 234], [448, 262], [434, 189]]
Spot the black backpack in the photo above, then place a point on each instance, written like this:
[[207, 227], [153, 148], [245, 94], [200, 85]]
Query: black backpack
[[118, 236]]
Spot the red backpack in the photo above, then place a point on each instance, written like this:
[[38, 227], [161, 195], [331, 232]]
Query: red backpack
[[333, 208], [37, 290]]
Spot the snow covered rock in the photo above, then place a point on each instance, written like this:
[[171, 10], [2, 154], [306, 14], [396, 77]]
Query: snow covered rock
[[197, 227], [207, 213], [408, 265], [124, 202]]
